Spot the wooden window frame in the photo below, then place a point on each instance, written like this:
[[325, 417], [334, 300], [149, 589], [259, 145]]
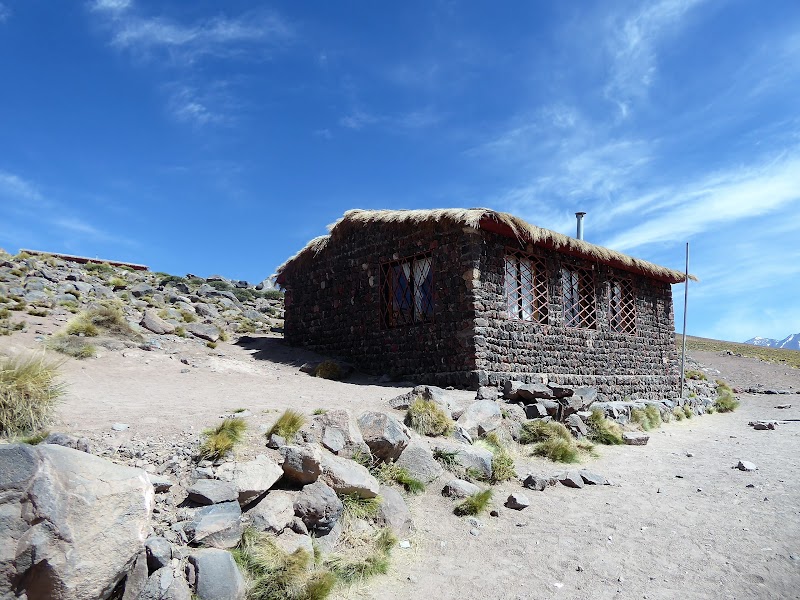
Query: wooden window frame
[[407, 292], [621, 302], [578, 297], [526, 286]]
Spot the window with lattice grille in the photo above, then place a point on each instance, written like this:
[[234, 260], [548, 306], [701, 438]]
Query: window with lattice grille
[[621, 306], [578, 297], [525, 287], [407, 291]]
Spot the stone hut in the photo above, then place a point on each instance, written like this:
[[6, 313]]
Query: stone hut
[[470, 297]]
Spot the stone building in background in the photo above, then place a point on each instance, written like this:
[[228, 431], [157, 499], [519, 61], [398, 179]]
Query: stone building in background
[[469, 297]]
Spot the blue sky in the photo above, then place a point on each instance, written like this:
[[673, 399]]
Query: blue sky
[[218, 137]]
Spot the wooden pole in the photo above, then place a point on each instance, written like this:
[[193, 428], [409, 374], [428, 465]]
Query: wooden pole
[[685, 305]]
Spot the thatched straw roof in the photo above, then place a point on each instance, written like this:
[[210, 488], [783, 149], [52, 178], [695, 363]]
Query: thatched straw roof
[[482, 218]]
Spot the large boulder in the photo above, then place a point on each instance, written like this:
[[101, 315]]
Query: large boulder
[[203, 331], [481, 417], [386, 436], [217, 526], [152, 322], [431, 393], [73, 523], [211, 491], [251, 478], [301, 464], [274, 513], [393, 512], [166, 584], [318, 506], [217, 576], [418, 460], [348, 477], [337, 431]]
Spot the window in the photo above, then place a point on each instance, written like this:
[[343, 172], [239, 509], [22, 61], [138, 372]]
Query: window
[[621, 306], [577, 293], [525, 287], [407, 291]]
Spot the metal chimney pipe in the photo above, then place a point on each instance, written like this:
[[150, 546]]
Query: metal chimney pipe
[[579, 216]]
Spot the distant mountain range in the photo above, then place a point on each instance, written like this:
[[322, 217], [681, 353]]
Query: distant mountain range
[[791, 342]]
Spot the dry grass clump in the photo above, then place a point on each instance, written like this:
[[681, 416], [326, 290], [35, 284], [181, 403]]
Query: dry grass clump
[[696, 375], [275, 575], [448, 459], [7, 327], [328, 369], [366, 561], [502, 461], [474, 504], [678, 413], [426, 418], [73, 346], [38, 312], [687, 411], [557, 450], [552, 440], [117, 283], [107, 318], [725, 401], [288, 424], [603, 430], [388, 473], [188, 316], [221, 439], [29, 392], [356, 507], [647, 418], [536, 430]]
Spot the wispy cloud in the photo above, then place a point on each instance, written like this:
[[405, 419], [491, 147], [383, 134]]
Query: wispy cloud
[[15, 187], [632, 47], [729, 196], [211, 105], [400, 122], [5, 13]]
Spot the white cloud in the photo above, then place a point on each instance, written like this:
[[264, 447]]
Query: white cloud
[[113, 6], [730, 196], [632, 46], [5, 13], [189, 105], [15, 187], [357, 119]]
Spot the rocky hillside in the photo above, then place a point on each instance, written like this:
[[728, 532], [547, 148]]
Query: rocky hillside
[[153, 304]]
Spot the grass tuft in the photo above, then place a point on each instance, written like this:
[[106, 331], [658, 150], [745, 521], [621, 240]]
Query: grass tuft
[[107, 318], [725, 401], [474, 504], [328, 369], [288, 424], [426, 418], [374, 562], [677, 412], [696, 375], [188, 316], [275, 575], [603, 430], [558, 450], [535, 431], [221, 439], [502, 461], [390, 473], [356, 507], [29, 392], [319, 411], [687, 411], [448, 459], [647, 418], [35, 438], [75, 347]]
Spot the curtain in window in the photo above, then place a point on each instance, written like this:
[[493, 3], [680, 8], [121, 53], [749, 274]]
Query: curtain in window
[[423, 300]]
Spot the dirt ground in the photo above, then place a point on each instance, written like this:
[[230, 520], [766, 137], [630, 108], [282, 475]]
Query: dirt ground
[[679, 521]]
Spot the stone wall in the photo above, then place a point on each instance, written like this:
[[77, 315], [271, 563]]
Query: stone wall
[[333, 303], [642, 365]]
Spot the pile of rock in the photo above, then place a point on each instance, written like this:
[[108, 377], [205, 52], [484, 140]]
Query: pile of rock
[[155, 303]]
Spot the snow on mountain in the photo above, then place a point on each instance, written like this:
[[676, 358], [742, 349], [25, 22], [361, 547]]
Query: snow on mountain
[[791, 342], [762, 341]]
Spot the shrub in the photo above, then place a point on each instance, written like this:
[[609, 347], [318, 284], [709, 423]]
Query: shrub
[[223, 335], [106, 317], [35, 438], [19, 306], [328, 369], [319, 411], [726, 401], [7, 327], [535, 431], [677, 412], [272, 294], [117, 283], [276, 575], [356, 507], [557, 449], [288, 424], [391, 473], [687, 411], [29, 392], [246, 326], [647, 418], [172, 279], [223, 286], [102, 267], [697, 375], [603, 430], [38, 312], [211, 345], [502, 461], [426, 418], [82, 326], [75, 347], [188, 316], [221, 439], [474, 504], [4, 313], [448, 459], [373, 561], [180, 331]]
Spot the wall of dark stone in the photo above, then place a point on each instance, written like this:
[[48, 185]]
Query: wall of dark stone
[[641, 366], [333, 304]]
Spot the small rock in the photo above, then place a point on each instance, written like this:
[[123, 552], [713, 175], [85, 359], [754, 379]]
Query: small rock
[[458, 488], [744, 465], [120, 426], [405, 544], [212, 491], [571, 479], [517, 501], [635, 438], [534, 482], [591, 478]]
